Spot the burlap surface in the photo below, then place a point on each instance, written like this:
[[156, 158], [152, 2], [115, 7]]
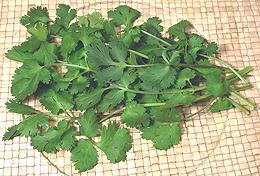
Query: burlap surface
[[233, 24]]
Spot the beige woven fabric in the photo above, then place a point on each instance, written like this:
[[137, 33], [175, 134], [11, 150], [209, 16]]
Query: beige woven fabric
[[233, 24]]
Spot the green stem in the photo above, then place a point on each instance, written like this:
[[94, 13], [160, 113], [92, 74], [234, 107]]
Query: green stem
[[164, 56], [209, 57], [92, 141], [244, 72], [165, 105], [139, 66], [52, 115], [153, 104], [138, 54], [242, 88], [157, 38], [61, 63], [192, 89], [238, 106], [242, 99], [112, 114], [191, 116], [200, 98], [226, 65], [179, 65]]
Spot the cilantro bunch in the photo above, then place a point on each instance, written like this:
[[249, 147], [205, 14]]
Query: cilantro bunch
[[85, 70]]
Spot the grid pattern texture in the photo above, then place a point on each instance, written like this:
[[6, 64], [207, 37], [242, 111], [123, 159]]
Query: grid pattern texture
[[226, 143]]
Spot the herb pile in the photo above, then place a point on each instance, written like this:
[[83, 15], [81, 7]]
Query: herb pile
[[85, 70]]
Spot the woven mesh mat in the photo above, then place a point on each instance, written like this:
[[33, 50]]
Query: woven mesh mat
[[225, 143]]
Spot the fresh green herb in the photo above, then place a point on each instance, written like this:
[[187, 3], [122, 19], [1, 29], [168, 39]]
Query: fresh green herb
[[85, 70]]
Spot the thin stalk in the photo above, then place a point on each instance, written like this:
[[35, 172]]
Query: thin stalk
[[242, 88], [138, 54], [239, 106], [243, 72], [66, 112], [192, 89], [226, 65], [164, 56], [52, 115], [72, 113], [209, 57], [139, 66], [165, 105], [153, 104], [191, 116], [92, 141], [54, 165], [200, 98], [179, 65], [112, 114], [61, 63], [242, 99], [49, 114], [157, 38]]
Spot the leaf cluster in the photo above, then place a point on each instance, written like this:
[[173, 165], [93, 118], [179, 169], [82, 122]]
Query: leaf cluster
[[101, 68]]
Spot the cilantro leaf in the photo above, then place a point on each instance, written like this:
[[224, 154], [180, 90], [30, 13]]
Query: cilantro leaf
[[11, 133], [212, 48], [217, 85], [35, 15], [181, 99], [27, 77], [111, 100], [115, 142], [93, 20], [185, 76], [68, 43], [56, 101], [89, 36], [30, 45], [112, 73], [32, 124], [152, 25], [18, 54], [163, 135], [123, 15], [50, 141], [165, 115], [109, 32], [98, 55], [178, 30], [88, 124], [39, 31], [84, 155], [20, 108], [175, 57], [220, 105], [79, 84], [60, 82], [68, 139], [46, 53], [118, 51], [154, 80], [131, 36], [65, 15], [128, 78], [89, 99], [195, 41], [135, 116], [85, 70], [24, 51]]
